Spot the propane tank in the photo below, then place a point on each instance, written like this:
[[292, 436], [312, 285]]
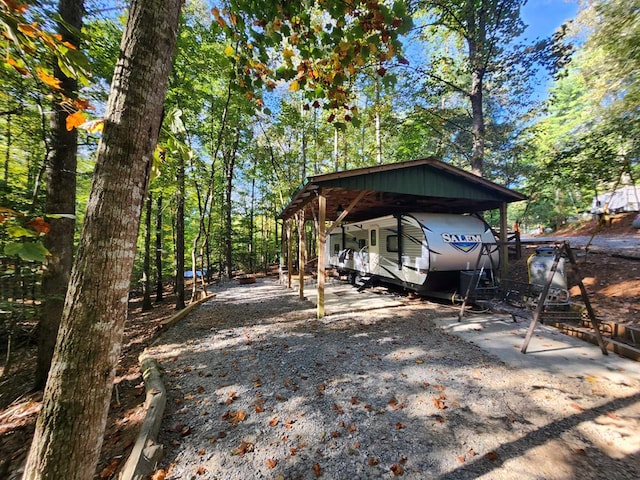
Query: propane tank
[[539, 265]]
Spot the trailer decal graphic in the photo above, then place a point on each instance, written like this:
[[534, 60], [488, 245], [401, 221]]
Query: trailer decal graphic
[[464, 243]]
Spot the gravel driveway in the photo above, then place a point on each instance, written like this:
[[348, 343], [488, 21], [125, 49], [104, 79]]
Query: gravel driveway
[[259, 388]]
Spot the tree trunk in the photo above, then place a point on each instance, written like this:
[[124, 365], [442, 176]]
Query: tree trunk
[[159, 286], [228, 204], [476, 42], [61, 199], [146, 269], [477, 125], [179, 247], [70, 427]]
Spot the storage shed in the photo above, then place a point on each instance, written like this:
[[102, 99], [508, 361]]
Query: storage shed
[[424, 185]]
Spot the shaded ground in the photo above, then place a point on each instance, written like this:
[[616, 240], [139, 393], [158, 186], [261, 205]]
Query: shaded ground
[[613, 283]]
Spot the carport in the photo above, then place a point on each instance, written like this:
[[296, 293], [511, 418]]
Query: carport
[[424, 185]]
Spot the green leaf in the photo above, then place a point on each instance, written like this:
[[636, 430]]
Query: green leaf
[[28, 251], [33, 252], [16, 231]]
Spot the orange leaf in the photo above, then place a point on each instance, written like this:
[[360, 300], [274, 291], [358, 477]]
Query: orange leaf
[[352, 427], [577, 407], [75, 120], [317, 470], [201, 470], [372, 461], [439, 403], [400, 426], [202, 451], [397, 469], [29, 30], [271, 463], [111, 469], [39, 225], [50, 81], [21, 70], [159, 475], [16, 7], [493, 456], [338, 409]]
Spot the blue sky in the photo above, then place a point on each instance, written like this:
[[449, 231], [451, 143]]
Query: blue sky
[[543, 17]]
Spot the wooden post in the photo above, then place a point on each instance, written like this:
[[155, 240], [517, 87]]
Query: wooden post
[[504, 247], [322, 240], [289, 252], [302, 252]]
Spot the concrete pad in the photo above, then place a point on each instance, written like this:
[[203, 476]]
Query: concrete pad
[[549, 351]]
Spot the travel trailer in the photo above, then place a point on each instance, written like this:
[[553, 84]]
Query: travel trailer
[[428, 253]]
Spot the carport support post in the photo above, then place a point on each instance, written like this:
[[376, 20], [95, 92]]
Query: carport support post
[[504, 247], [289, 253], [322, 240], [302, 252]]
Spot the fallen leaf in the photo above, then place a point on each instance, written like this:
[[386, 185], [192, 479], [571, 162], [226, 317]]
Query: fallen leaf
[[200, 389], [612, 415], [492, 456], [273, 422], [338, 409], [201, 470], [352, 427], [185, 431], [399, 426], [397, 469], [202, 451], [355, 401], [439, 403], [108, 471], [317, 470], [271, 463], [243, 448], [372, 461], [439, 387], [461, 458], [335, 434], [159, 475], [577, 407]]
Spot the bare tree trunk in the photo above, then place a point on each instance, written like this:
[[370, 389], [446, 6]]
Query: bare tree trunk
[[159, 286], [146, 269], [70, 427], [179, 246], [228, 204], [61, 199]]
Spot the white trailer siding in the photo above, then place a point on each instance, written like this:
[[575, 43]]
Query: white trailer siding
[[426, 251]]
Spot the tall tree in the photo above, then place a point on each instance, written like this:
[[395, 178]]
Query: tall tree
[[70, 427], [487, 28], [61, 199]]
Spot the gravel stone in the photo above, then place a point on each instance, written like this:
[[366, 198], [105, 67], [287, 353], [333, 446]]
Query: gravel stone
[[259, 388]]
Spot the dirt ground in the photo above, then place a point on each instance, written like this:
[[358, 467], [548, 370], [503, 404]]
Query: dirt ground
[[613, 284]]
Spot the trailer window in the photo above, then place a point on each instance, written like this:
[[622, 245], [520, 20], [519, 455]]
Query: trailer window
[[392, 243], [362, 243], [374, 238]]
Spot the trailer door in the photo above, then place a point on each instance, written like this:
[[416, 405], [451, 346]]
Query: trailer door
[[374, 250]]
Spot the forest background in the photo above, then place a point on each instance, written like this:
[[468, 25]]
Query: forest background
[[247, 117]]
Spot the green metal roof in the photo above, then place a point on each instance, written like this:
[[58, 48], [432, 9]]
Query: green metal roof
[[425, 185]]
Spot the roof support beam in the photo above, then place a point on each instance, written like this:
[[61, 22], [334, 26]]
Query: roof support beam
[[346, 211]]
